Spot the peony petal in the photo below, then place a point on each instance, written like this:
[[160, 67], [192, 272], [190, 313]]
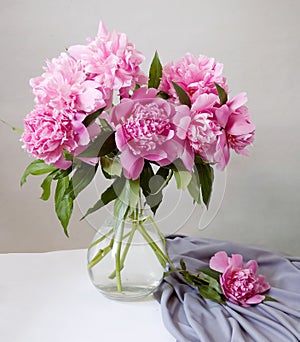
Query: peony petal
[[120, 112], [255, 299], [132, 165], [222, 114], [219, 262], [188, 157], [236, 261], [144, 93], [204, 101], [237, 101], [238, 124], [222, 152], [252, 265]]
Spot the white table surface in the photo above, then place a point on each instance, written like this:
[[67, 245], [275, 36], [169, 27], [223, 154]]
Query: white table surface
[[48, 297]]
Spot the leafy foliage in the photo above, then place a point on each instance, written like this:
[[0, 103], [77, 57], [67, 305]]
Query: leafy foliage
[[204, 281], [155, 72], [184, 99]]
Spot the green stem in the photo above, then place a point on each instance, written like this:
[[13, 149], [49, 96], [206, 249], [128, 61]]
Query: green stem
[[161, 256], [126, 249], [118, 258], [151, 219], [101, 254], [101, 239]]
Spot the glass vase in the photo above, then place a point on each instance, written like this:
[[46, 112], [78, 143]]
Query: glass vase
[[127, 259]]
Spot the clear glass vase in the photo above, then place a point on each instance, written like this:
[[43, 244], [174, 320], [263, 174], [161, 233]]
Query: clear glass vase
[[127, 259]]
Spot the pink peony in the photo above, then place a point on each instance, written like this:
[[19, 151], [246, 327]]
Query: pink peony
[[196, 75], [64, 86], [214, 130], [47, 133], [111, 61], [240, 283], [237, 132], [149, 128]]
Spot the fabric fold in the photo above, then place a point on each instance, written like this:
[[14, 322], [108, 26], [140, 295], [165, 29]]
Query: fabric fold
[[190, 318]]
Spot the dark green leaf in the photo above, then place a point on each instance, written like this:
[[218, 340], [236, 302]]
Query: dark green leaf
[[82, 177], [184, 98], [63, 203], [155, 72], [222, 94], [92, 117], [212, 282], [55, 175], [153, 184], [146, 175], [110, 194], [182, 264], [209, 293], [62, 173], [212, 273], [163, 95], [205, 175], [101, 146], [68, 156], [37, 167]]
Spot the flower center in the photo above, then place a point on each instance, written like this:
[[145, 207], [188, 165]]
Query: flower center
[[243, 283], [147, 127]]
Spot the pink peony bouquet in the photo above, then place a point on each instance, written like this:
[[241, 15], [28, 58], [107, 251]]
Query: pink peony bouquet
[[95, 107]]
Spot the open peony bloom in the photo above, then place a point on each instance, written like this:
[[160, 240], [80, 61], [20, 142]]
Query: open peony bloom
[[237, 132], [240, 283], [64, 86], [47, 133], [196, 75], [149, 128], [111, 61]]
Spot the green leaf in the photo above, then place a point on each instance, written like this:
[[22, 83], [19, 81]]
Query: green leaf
[[131, 193], [209, 293], [146, 174], [182, 264], [184, 98], [37, 167], [212, 282], [92, 117], [212, 273], [62, 173], [205, 175], [155, 72], [270, 299], [194, 188], [111, 167], [222, 94], [68, 156], [110, 194], [46, 186], [152, 184], [101, 146], [163, 95], [183, 178], [55, 175], [82, 177], [63, 203]]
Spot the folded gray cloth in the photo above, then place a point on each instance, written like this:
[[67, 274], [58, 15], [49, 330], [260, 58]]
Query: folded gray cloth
[[190, 318]]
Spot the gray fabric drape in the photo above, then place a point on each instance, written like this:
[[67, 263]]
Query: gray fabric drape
[[190, 318]]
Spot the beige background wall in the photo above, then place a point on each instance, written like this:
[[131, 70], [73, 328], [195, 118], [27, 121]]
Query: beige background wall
[[258, 42]]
